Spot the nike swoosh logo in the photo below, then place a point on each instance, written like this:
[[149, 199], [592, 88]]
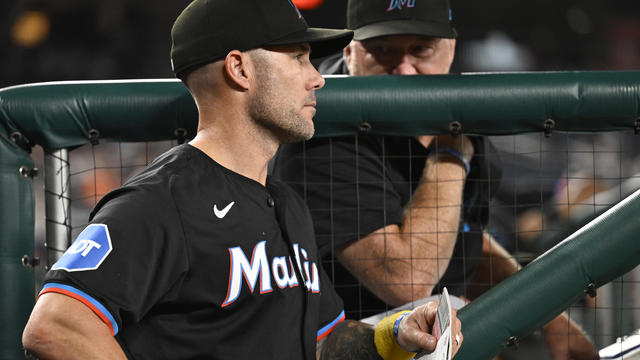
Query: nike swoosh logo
[[222, 213]]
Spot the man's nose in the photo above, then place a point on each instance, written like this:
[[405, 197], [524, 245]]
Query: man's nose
[[317, 81], [405, 66]]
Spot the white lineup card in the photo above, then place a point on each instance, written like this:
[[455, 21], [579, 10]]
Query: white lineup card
[[441, 331]]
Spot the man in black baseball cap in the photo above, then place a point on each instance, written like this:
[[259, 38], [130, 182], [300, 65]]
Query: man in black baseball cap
[[202, 255], [386, 206], [402, 37], [208, 29], [370, 19], [364, 228]]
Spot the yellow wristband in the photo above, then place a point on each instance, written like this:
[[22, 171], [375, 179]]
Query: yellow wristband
[[386, 343]]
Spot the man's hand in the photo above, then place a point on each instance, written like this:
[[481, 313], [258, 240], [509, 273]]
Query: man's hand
[[414, 331], [567, 341], [356, 340], [460, 143]]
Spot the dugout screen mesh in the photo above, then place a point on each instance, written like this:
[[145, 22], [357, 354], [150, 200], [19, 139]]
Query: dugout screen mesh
[[549, 187]]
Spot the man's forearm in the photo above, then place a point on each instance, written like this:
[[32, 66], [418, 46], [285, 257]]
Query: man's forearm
[[495, 265], [403, 263], [432, 218], [398, 336]]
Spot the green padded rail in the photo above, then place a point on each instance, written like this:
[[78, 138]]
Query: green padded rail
[[509, 103], [599, 252], [17, 283]]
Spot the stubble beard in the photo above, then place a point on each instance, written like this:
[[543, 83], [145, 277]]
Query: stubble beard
[[280, 117]]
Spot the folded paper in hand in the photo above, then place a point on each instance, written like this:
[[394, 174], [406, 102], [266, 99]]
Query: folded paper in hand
[[441, 330]]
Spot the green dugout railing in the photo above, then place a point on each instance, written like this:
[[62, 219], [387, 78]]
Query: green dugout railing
[[599, 252], [69, 114]]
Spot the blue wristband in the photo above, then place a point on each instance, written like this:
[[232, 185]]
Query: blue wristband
[[452, 152], [396, 324]]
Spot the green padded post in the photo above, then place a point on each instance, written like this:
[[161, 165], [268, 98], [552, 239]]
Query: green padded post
[[17, 282], [599, 252]]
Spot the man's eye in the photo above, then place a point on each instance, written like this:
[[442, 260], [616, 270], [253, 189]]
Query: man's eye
[[381, 49], [422, 51]]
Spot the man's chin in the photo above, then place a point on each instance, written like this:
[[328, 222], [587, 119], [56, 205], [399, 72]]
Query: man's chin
[[297, 136]]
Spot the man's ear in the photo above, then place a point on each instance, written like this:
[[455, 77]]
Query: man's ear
[[236, 68], [452, 50], [346, 53]]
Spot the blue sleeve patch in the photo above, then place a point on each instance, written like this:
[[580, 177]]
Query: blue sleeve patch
[[88, 251]]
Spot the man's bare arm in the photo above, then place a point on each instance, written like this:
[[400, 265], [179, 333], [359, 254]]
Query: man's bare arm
[[403, 263], [61, 327], [495, 265]]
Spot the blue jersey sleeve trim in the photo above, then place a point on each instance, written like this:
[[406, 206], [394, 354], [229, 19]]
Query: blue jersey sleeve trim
[[326, 330], [88, 300]]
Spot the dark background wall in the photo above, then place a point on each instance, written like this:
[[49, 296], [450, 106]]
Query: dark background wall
[[44, 40]]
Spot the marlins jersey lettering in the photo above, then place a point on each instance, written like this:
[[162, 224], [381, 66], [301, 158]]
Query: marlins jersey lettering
[[191, 260]]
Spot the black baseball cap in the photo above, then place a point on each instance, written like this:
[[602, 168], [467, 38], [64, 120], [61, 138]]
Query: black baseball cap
[[207, 30], [372, 18]]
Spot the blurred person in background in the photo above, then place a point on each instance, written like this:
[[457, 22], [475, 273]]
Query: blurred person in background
[[405, 216]]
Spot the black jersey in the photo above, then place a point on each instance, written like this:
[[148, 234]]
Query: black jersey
[[191, 260], [355, 185]]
